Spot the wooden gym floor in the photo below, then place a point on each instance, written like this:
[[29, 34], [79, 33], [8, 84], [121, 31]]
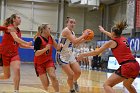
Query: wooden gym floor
[[91, 81]]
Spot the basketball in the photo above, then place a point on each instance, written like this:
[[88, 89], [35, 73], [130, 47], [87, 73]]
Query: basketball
[[90, 35]]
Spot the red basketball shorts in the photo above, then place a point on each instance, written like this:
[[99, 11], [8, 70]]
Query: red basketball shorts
[[7, 60], [41, 68], [129, 70]]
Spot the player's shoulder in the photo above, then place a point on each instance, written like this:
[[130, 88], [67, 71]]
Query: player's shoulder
[[66, 29], [38, 39]]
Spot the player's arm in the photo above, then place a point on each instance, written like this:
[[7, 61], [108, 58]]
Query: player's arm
[[109, 44], [82, 41], [3, 28], [104, 31], [37, 46], [26, 46], [19, 40], [56, 45], [16, 38], [52, 42], [6, 29], [72, 38]]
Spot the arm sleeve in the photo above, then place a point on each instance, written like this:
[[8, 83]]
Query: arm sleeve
[[37, 44]]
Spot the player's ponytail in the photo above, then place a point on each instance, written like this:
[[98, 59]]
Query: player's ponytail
[[7, 22], [119, 27], [13, 16], [38, 32], [43, 26]]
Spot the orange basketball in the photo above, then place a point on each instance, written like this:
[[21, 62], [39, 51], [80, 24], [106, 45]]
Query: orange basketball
[[90, 35]]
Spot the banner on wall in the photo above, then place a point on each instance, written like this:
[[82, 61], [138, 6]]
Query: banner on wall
[[134, 44]]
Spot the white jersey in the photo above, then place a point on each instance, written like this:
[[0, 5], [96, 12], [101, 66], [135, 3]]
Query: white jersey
[[67, 44], [66, 54]]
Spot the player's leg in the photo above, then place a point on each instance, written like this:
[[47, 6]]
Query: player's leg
[[111, 81], [67, 69], [128, 84], [6, 68], [52, 75], [77, 72]]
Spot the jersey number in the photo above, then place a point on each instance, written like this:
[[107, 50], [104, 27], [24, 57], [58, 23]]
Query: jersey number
[[126, 43], [15, 43], [47, 52]]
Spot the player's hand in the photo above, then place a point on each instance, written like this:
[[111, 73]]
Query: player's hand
[[85, 34], [60, 46], [101, 29], [48, 46], [29, 43], [31, 47], [79, 57]]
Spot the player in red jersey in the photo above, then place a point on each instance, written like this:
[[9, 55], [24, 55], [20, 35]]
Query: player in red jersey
[[43, 57], [129, 68], [4, 28], [11, 41]]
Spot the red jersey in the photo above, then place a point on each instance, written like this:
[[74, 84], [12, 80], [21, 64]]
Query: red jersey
[[122, 51], [45, 56], [3, 28], [9, 45]]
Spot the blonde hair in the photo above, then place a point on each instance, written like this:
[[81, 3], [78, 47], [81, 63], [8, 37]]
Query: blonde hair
[[119, 27], [40, 30], [7, 22]]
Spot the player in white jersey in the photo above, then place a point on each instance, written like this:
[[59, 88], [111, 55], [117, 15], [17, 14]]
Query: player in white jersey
[[66, 56]]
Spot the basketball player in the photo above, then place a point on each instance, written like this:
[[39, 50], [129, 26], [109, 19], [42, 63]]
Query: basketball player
[[10, 43], [3, 28], [43, 57], [129, 68], [66, 56]]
